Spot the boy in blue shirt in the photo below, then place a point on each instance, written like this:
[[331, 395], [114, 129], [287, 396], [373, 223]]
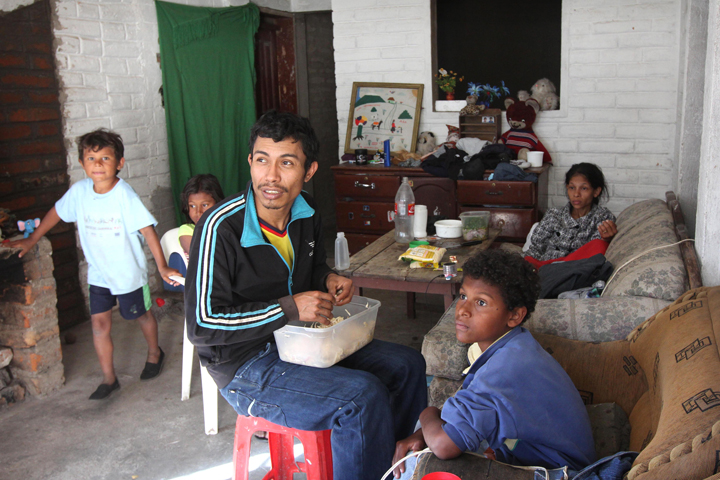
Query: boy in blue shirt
[[516, 399], [110, 221]]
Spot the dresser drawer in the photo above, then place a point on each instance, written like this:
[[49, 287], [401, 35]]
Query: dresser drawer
[[488, 192], [438, 194], [366, 186], [518, 221], [358, 241], [364, 216]]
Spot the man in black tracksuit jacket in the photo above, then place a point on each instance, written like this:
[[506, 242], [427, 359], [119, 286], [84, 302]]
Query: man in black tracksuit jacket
[[240, 288]]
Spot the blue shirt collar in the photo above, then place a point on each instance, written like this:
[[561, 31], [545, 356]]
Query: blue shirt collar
[[252, 235], [491, 350]]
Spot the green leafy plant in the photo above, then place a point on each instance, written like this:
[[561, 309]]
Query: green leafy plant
[[447, 80]]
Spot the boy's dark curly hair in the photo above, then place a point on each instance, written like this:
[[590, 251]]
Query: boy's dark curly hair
[[517, 280]]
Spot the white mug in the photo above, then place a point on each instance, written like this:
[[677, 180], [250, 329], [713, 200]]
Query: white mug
[[420, 222]]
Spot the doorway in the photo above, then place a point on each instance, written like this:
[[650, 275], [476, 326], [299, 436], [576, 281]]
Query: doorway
[[295, 65]]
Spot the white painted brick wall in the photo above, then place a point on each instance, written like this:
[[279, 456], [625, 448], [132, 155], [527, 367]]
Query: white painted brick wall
[[618, 93]]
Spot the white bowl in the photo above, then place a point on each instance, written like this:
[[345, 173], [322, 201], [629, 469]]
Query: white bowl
[[448, 228]]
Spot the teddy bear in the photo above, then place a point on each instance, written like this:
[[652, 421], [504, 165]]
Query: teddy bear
[[544, 92], [471, 109], [521, 138], [425, 143]]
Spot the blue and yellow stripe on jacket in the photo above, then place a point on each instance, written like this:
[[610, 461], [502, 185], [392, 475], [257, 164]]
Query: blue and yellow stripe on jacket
[[251, 236]]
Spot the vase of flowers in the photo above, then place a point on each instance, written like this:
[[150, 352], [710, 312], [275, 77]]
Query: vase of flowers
[[487, 93], [447, 81]]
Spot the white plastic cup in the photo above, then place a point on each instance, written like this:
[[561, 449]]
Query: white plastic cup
[[535, 159], [420, 225]]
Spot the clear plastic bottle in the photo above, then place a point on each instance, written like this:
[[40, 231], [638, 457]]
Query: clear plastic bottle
[[342, 255], [404, 212]]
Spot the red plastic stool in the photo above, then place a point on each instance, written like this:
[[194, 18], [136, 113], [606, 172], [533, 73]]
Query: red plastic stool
[[316, 447]]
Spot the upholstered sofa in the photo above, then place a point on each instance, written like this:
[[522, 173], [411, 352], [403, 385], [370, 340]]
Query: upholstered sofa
[[596, 341], [637, 291], [665, 375]]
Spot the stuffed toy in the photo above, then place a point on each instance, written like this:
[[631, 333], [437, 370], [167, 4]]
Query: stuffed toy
[[544, 92], [28, 226], [453, 136], [521, 138], [471, 109], [403, 158], [425, 143]]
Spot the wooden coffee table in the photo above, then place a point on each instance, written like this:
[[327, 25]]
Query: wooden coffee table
[[377, 266]]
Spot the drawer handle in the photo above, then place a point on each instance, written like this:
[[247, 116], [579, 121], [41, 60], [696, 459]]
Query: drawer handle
[[365, 215], [493, 193], [365, 185]]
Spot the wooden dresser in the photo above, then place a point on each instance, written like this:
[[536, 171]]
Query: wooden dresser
[[365, 194]]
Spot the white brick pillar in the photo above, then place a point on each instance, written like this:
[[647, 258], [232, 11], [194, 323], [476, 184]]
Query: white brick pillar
[[707, 230]]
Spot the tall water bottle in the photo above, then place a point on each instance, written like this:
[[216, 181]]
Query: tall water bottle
[[342, 256], [404, 212]]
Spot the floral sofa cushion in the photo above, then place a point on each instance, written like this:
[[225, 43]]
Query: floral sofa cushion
[[444, 355], [593, 319], [658, 274]]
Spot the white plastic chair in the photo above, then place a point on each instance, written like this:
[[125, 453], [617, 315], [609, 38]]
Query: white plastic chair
[[170, 244]]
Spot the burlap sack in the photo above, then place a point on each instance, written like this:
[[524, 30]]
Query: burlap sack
[[602, 372], [468, 466], [673, 421]]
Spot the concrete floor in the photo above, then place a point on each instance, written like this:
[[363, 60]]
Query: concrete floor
[[143, 431]]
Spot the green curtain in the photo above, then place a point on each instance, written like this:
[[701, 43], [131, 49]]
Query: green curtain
[[208, 72]]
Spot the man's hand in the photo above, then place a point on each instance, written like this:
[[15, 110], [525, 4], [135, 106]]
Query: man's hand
[[25, 243], [341, 288], [165, 272], [314, 306], [607, 230], [414, 442]]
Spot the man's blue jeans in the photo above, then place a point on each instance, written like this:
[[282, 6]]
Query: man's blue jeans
[[370, 400]]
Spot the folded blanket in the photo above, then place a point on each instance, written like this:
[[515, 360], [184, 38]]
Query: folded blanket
[[593, 247]]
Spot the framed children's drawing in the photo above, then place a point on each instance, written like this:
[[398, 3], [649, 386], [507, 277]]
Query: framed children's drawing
[[384, 111]]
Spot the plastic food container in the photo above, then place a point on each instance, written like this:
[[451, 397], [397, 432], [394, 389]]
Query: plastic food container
[[448, 228], [475, 225], [324, 347]]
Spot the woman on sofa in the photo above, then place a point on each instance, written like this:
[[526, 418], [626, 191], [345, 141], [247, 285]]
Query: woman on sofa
[[580, 229]]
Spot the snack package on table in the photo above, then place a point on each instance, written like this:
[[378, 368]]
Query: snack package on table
[[425, 254]]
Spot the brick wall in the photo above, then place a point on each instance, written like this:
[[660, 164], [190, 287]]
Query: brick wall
[[29, 322], [619, 84], [33, 170]]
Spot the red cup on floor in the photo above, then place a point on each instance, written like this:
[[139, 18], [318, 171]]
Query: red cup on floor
[[440, 476]]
